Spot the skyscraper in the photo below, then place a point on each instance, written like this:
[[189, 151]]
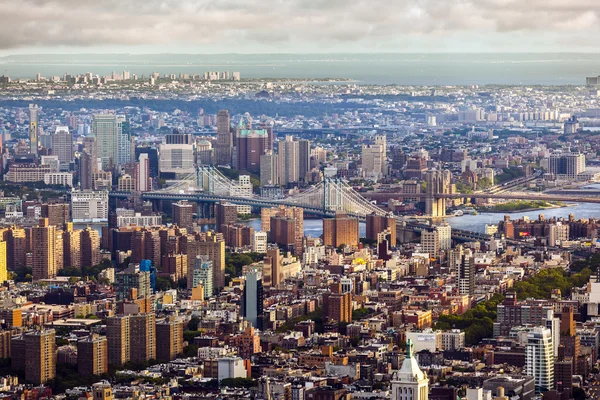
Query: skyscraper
[[107, 129], [144, 182], [3, 262], [224, 145], [90, 247], [225, 214], [289, 161], [250, 145], [374, 158], [92, 355], [33, 129], [252, 300], [40, 353], [539, 358], [62, 146], [72, 246], [118, 335], [303, 158], [143, 337], [43, 242], [202, 274], [88, 163], [169, 339], [269, 169]]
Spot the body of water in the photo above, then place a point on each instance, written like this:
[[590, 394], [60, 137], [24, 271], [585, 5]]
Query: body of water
[[402, 69]]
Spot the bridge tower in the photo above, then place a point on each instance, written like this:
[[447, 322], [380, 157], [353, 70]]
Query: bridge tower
[[438, 182], [205, 180]]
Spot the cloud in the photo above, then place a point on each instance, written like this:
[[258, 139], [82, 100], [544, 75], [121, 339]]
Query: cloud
[[234, 24]]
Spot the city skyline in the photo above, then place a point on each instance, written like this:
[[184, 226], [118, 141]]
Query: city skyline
[[300, 26]]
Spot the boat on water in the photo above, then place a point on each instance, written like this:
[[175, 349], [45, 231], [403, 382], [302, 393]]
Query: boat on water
[[470, 211], [458, 213]]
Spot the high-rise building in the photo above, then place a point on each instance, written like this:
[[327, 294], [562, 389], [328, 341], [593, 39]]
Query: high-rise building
[[169, 339], [379, 223], [289, 167], [3, 262], [58, 214], [43, 246], [16, 247], [143, 180], [303, 158], [62, 146], [107, 129], [176, 160], [461, 263], [374, 159], [539, 358], [569, 165], [225, 214], [250, 145], [92, 355], [283, 233], [252, 300], [430, 242], [33, 129], [202, 274], [269, 169], [89, 206], [340, 230], [88, 163], [409, 382], [40, 353], [72, 246], [90, 247], [293, 213], [338, 306], [143, 337], [183, 214], [118, 335], [133, 283], [224, 146]]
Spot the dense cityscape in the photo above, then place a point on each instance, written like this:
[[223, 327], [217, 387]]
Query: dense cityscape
[[210, 236]]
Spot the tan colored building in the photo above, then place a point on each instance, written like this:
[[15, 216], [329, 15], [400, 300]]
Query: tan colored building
[[169, 339], [212, 245], [118, 334], [17, 246], [43, 239], [40, 353], [340, 230], [72, 246], [92, 355], [294, 213], [58, 214], [126, 183], [90, 247], [143, 337]]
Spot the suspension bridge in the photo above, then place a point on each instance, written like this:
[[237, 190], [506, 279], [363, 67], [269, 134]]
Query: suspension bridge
[[209, 185]]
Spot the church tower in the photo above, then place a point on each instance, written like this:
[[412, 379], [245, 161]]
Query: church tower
[[410, 383]]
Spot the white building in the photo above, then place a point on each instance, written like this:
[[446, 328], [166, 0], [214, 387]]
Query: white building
[[89, 206], [409, 382], [138, 219], [177, 159], [242, 189], [260, 242], [539, 358], [59, 178], [444, 236], [231, 367], [453, 340], [374, 158], [143, 184], [425, 340]]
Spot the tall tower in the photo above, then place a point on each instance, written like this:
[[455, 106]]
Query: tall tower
[[539, 358], [62, 146], [252, 301], [43, 238], [33, 129], [289, 151], [224, 146], [118, 335], [303, 158], [40, 349], [144, 183], [107, 129], [92, 355], [410, 382], [438, 182]]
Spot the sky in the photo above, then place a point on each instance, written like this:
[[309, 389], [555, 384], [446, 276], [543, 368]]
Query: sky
[[297, 26]]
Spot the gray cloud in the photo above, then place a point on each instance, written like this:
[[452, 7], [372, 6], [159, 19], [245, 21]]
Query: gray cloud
[[326, 23]]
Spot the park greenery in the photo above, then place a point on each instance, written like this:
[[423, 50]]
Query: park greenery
[[235, 262], [519, 205], [478, 322]]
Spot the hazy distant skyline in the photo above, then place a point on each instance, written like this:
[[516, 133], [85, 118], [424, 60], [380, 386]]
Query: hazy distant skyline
[[297, 26]]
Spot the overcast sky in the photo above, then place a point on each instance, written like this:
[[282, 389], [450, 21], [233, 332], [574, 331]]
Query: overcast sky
[[303, 26]]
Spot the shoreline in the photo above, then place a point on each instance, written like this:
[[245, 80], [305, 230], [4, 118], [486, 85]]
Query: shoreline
[[530, 209]]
